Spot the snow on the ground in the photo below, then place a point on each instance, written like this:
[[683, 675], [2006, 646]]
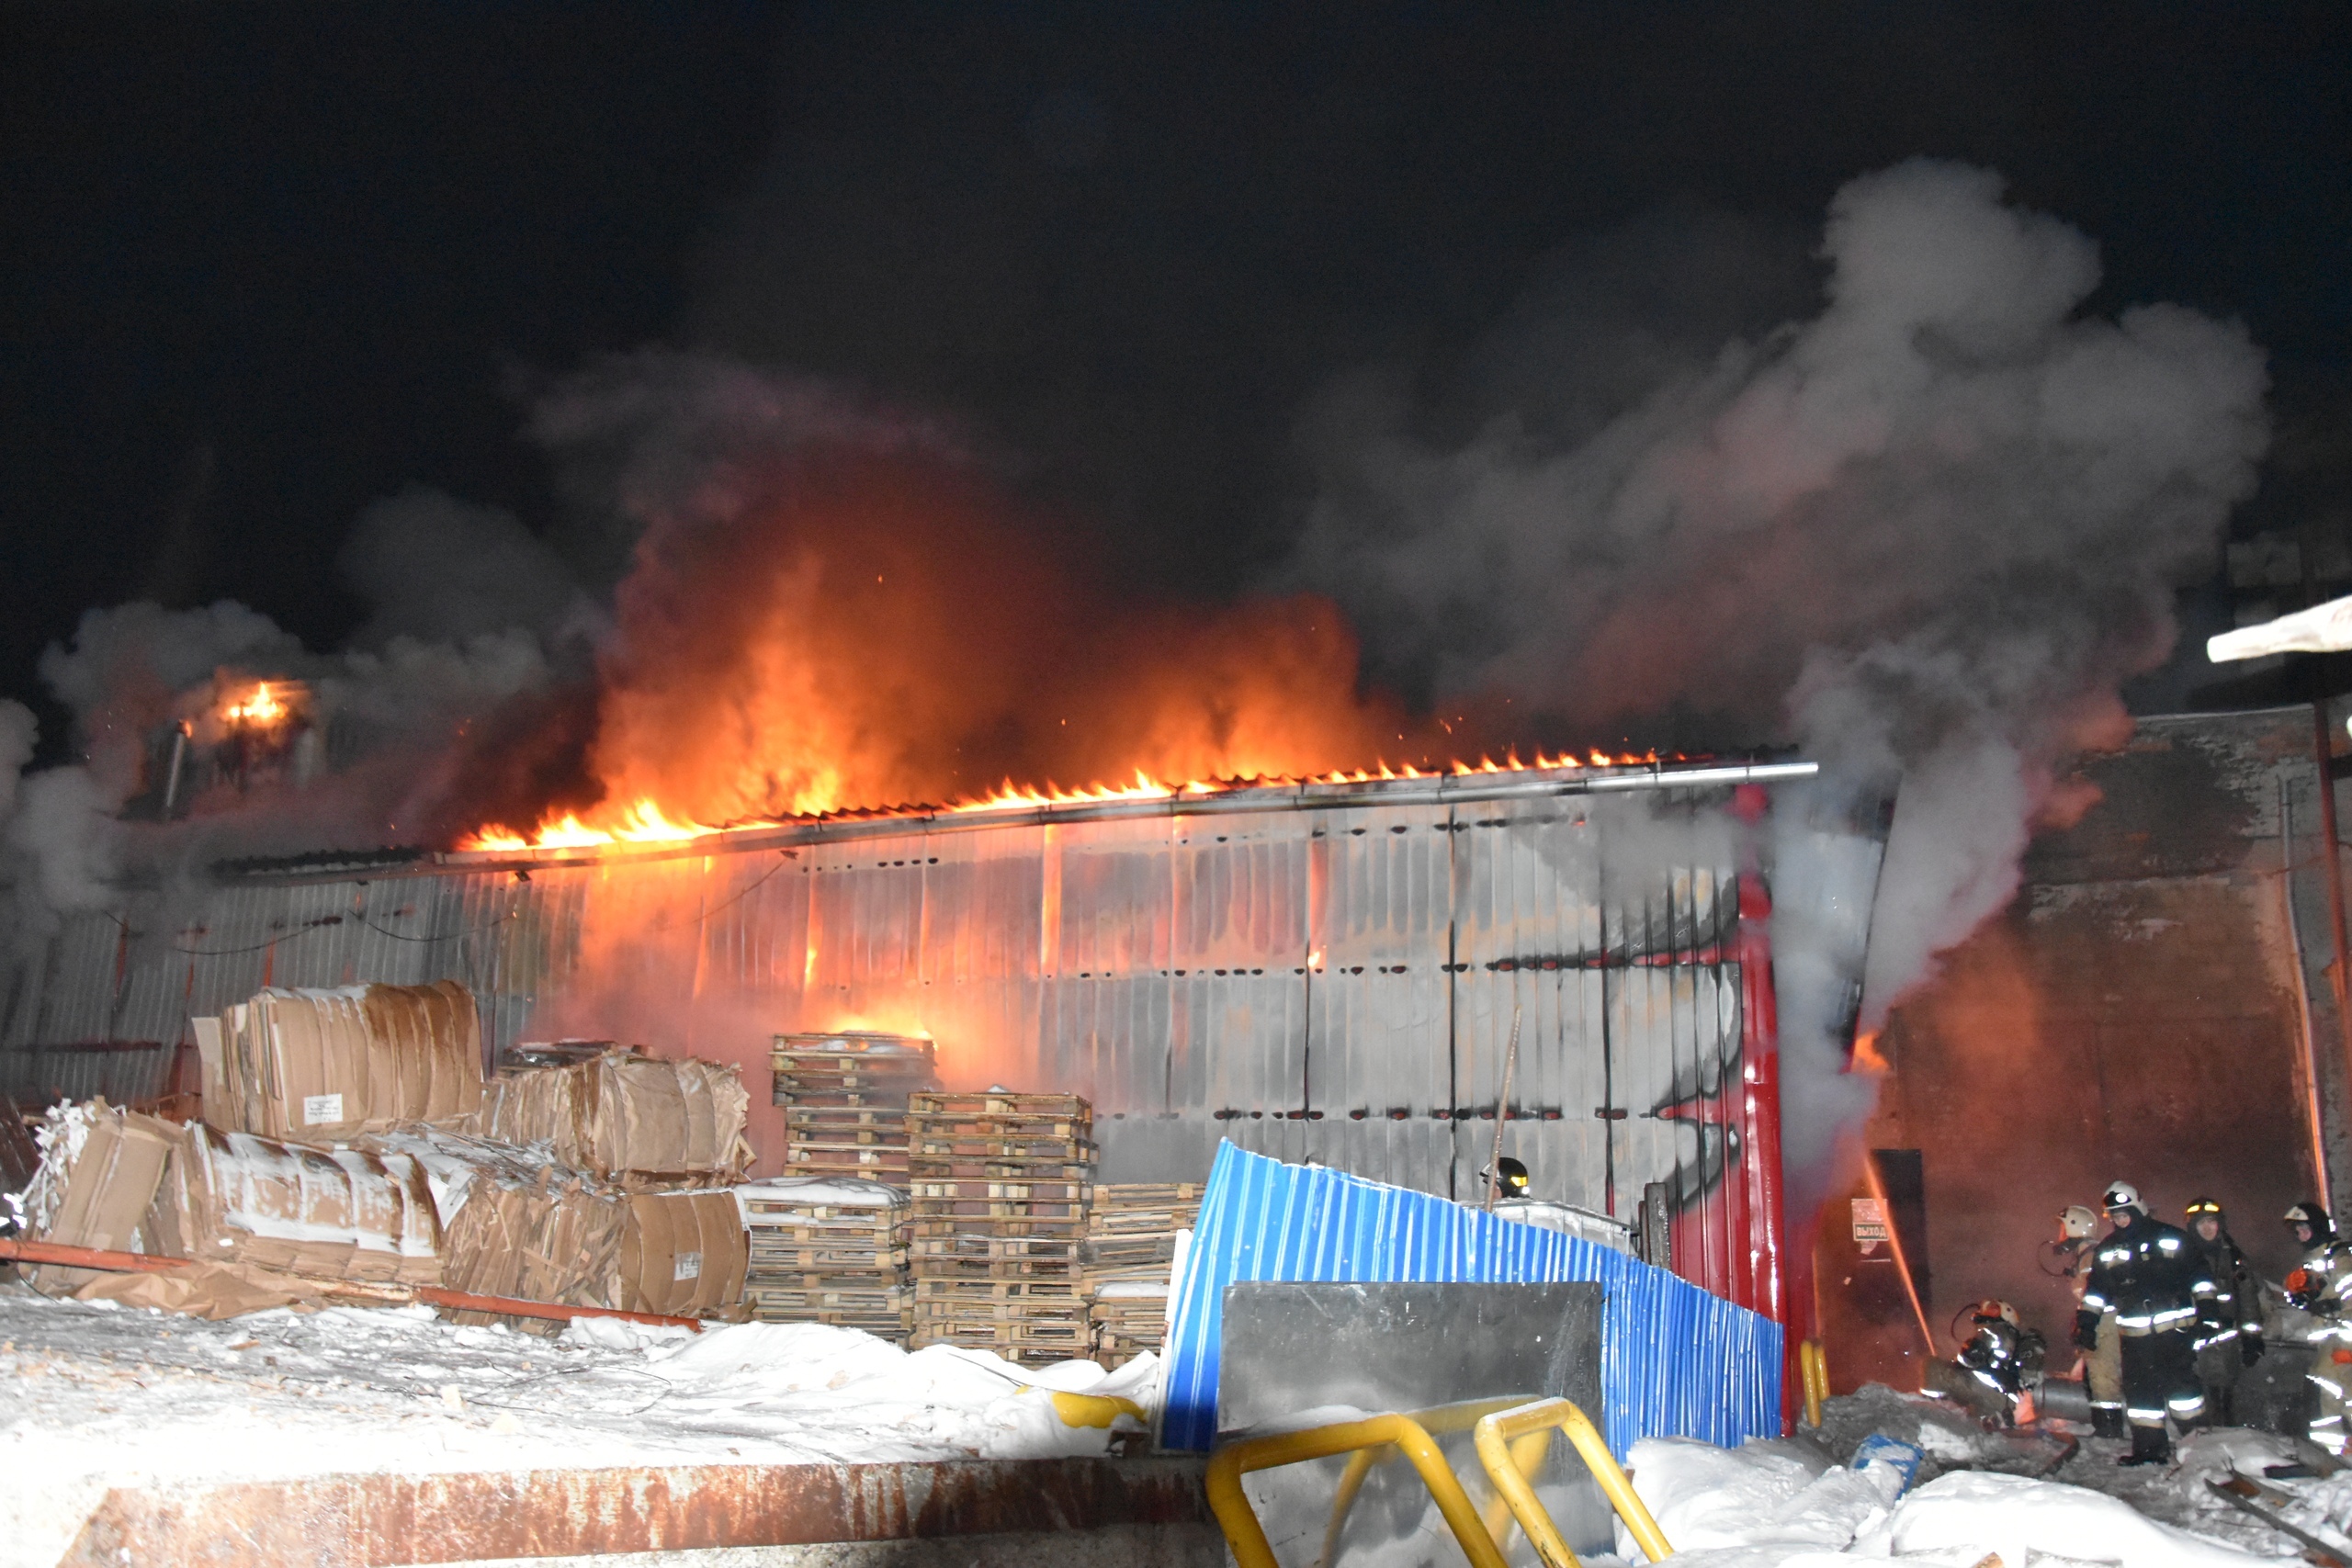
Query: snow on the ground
[[94, 1395]]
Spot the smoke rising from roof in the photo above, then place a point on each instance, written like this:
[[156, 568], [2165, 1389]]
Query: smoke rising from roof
[[1929, 530]]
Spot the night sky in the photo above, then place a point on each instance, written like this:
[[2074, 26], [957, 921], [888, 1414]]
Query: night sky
[[260, 266]]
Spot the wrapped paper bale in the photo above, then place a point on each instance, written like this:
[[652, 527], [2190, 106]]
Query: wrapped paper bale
[[316, 1065], [516, 1221], [100, 1169], [683, 1253], [635, 1119], [330, 1214], [125, 1182]]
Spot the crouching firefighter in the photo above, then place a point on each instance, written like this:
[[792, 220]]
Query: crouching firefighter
[[2320, 1287], [2003, 1360], [2153, 1277], [2232, 1340]]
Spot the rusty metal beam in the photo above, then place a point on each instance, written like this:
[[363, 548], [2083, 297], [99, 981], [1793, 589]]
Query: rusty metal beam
[[354, 1290], [363, 1522]]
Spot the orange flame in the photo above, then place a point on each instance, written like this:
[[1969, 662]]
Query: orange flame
[[261, 706], [1867, 1057], [645, 823]]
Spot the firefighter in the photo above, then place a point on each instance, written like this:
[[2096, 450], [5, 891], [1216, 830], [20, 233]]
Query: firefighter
[[2153, 1277], [2320, 1287], [2102, 1364], [2001, 1356], [2233, 1340], [1508, 1178]]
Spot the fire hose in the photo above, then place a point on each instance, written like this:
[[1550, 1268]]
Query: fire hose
[[358, 1292]]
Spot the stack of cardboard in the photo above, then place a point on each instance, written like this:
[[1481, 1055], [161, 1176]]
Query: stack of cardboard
[[639, 1122], [1129, 1251], [829, 1250], [322, 1065], [845, 1101], [1000, 1185], [603, 1181]]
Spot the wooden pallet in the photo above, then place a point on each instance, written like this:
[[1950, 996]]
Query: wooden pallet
[[1000, 1103], [1152, 1194], [997, 1172], [995, 1269], [1002, 1189], [1005, 1151], [800, 1160], [1001, 1219], [952, 1126], [769, 1252], [988, 1317], [890, 1150], [984, 1249], [1055, 1343], [1065, 1292]]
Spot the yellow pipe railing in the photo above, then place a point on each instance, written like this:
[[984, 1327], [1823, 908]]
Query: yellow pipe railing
[[1813, 1366], [1248, 1537], [1495, 1434], [1437, 1420]]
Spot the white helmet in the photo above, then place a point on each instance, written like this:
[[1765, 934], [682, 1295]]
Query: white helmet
[[2124, 1195]]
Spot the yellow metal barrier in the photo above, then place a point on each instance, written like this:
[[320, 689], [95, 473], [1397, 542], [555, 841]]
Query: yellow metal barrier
[[1813, 1367], [1248, 1537], [1495, 1434], [1437, 1420]]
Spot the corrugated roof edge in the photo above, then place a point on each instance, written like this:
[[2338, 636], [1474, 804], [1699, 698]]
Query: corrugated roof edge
[[1433, 790]]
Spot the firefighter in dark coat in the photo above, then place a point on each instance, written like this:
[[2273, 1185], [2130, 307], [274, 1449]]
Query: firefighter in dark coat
[[2153, 1277], [2233, 1340]]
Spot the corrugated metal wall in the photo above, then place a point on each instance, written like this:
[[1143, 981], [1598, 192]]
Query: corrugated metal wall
[[1674, 1360], [1337, 982]]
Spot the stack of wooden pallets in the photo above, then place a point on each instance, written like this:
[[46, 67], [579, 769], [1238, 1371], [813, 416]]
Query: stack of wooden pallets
[[845, 1101], [1130, 1247], [1000, 1185], [829, 1251]]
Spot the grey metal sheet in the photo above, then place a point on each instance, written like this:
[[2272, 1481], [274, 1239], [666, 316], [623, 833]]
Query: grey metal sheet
[[1335, 984]]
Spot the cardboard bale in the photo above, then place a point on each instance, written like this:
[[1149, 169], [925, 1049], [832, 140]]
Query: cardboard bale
[[644, 1121], [683, 1253], [326, 1065], [331, 1214], [101, 1168], [518, 1222]]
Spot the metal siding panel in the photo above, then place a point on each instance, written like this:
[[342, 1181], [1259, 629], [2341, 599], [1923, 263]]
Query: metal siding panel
[[1674, 1361]]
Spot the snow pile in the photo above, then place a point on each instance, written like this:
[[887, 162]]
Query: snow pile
[[1766, 1495], [1770, 1505], [1979, 1512], [852, 1394]]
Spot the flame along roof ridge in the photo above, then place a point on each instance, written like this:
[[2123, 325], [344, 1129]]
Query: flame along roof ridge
[[1019, 805]]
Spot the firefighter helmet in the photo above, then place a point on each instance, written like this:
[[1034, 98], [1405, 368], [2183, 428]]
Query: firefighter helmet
[[2077, 1224], [2309, 1213], [1991, 1310], [2124, 1195], [2201, 1207], [1509, 1175]]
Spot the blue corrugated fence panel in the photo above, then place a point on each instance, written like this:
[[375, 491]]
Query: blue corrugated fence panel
[[1674, 1360]]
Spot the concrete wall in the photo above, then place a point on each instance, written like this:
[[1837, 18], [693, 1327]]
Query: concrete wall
[[2136, 1014]]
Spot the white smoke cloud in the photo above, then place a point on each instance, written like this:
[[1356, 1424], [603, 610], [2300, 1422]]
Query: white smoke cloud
[[1929, 532]]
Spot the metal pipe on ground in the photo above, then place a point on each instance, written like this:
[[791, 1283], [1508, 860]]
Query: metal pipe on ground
[[348, 1290]]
